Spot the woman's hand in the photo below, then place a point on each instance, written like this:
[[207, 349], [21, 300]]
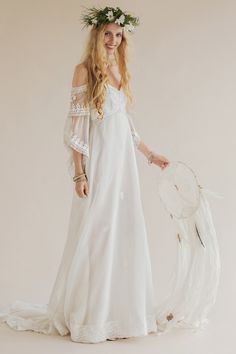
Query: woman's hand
[[160, 161], [81, 188]]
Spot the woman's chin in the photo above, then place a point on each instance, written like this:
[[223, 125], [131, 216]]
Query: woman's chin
[[110, 50]]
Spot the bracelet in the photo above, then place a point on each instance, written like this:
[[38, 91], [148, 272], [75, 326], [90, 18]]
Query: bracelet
[[150, 157], [82, 175], [81, 180]]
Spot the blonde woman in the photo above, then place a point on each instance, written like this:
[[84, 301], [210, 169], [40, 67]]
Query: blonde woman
[[104, 287]]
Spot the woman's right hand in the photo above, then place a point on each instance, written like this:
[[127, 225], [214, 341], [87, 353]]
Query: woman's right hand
[[82, 189]]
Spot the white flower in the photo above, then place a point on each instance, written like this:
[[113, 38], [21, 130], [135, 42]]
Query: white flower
[[120, 19], [94, 20], [129, 27], [110, 15]]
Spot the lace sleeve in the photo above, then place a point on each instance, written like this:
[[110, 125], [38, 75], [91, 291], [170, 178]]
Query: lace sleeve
[[135, 135], [76, 129]]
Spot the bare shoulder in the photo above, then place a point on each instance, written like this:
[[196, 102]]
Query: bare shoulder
[[80, 76]]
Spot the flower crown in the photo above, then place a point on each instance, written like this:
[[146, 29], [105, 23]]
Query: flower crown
[[100, 16]]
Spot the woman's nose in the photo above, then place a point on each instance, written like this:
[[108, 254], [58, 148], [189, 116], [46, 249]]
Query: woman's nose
[[112, 40]]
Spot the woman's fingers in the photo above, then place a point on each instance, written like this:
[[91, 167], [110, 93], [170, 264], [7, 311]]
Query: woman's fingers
[[161, 161], [164, 163], [86, 189], [164, 159]]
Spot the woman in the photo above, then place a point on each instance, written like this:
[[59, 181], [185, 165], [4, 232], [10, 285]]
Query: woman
[[104, 289]]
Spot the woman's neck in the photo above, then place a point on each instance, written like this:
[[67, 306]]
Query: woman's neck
[[111, 60]]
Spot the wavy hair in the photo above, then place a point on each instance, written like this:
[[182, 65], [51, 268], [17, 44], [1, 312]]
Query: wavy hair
[[95, 60]]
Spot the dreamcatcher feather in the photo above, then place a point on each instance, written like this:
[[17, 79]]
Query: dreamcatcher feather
[[196, 276]]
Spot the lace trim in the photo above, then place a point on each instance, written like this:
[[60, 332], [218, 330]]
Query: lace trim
[[78, 110], [39, 318], [79, 89], [95, 333], [77, 106], [79, 145]]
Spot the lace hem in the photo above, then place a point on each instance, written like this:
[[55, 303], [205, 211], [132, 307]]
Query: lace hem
[[24, 316], [112, 330], [77, 144]]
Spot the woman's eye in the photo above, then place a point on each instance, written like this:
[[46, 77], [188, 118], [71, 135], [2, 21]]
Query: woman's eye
[[118, 34]]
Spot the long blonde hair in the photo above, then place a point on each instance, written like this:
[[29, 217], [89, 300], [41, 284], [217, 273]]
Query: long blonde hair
[[95, 60]]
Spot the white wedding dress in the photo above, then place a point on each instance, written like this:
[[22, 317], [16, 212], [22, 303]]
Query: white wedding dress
[[104, 287]]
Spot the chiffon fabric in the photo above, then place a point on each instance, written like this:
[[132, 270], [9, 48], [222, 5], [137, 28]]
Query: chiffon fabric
[[104, 286]]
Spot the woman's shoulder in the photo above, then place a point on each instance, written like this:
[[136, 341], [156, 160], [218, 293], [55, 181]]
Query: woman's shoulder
[[80, 76]]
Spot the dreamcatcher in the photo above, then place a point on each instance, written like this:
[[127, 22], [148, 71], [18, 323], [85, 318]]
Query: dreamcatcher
[[196, 276]]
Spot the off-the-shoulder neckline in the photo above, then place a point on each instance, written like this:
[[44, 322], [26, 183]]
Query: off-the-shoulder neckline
[[113, 87]]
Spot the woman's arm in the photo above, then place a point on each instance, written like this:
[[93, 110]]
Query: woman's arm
[[152, 157], [80, 77], [143, 149], [77, 157]]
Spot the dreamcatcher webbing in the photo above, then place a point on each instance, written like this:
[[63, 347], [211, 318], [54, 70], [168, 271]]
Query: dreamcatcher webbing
[[196, 275]]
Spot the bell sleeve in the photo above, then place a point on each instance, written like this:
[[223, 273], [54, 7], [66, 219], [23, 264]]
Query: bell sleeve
[[135, 135], [76, 129]]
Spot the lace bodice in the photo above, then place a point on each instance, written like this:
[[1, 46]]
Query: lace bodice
[[80, 115]]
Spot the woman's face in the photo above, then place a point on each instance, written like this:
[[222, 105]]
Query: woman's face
[[112, 37]]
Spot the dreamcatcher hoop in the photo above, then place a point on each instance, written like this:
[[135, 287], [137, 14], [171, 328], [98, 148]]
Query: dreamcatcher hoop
[[196, 274], [169, 180]]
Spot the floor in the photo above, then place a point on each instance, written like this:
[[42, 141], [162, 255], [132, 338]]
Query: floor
[[217, 338]]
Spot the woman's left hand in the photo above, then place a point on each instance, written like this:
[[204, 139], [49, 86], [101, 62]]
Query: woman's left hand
[[160, 161]]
